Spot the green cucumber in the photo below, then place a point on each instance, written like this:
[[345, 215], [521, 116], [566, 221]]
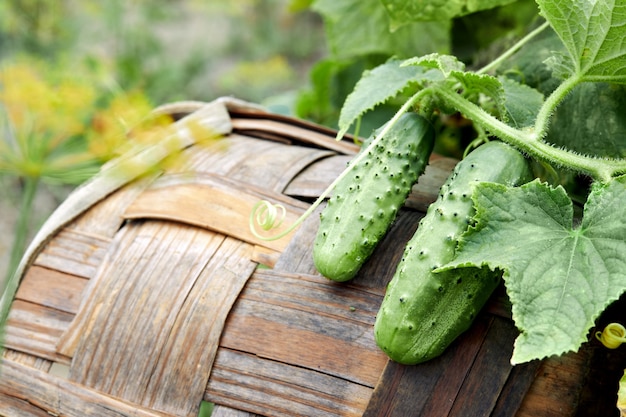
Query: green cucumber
[[365, 202], [422, 311]]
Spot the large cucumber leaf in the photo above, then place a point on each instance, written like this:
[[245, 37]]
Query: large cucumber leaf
[[559, 276], [471, 85], [378, 85], [594, 33], [434, 68]]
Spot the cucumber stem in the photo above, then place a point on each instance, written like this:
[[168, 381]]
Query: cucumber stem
[[550, 104], [529, 141]]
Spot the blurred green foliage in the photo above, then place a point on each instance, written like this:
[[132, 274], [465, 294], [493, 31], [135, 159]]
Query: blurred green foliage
[[75, 76], [172, 50], [361, 35]]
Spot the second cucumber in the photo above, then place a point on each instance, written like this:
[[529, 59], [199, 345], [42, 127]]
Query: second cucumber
[[423, 312]]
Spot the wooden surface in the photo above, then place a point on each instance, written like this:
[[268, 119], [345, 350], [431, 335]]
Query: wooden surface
[[144, 299]]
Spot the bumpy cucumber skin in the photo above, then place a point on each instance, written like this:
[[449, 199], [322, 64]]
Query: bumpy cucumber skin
[[366, 202], [423, 312]]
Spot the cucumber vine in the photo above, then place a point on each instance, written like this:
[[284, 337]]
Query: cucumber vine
[[530, 140], [563, 268]]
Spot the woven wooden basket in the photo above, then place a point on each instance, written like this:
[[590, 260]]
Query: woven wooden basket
[[145, 296]]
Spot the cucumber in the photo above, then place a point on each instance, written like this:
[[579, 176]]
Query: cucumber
[[423, 312], [365, 202]]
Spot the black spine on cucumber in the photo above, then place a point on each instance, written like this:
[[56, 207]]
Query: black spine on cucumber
[[422, 311], [365, 203]]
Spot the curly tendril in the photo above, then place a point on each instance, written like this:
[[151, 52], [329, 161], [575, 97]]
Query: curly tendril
[[267, 215], [612, 336]]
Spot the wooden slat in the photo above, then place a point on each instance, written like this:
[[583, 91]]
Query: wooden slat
[[271, 168], [179, 379], [285, 130], [133, 267], [34, 391], [15, 407], [35, 329], [214, 203], [267, 387], [479, 395], [26, 359], [115, 175], [297, 256], [223, 411], [470, 378], [74, 252], [314, 294], [239, 113], [50, 288], [265, 256], [286, 328], [314, 179], [274, 169], [225, 156], [271, 337], [456, 371], [516, 388], [105, 217], [556, 390], [149, 331]]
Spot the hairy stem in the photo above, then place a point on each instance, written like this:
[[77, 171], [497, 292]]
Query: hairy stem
[[529, 141], [550, 104], [21, 228]]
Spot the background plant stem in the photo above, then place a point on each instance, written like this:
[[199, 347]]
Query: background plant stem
[[21, 228], [507, 54]]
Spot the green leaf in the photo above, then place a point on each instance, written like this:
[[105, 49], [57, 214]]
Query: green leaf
[[368, 93], [561, 66], [522, 103], [559, 278], [330, 83], [474, 84], [530, 65], [361, 27], [593, 32], [445, 63], [590, 120], [406, 11]]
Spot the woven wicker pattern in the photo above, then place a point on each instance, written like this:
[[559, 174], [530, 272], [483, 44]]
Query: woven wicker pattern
[[144, 296]]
